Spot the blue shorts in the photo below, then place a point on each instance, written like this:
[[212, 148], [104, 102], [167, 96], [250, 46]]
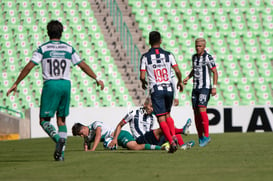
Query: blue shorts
[[162, 99], [200, 97], [149, 138]]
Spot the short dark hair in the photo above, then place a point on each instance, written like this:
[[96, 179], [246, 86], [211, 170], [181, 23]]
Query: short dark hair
[[76, 129], [54, 29], [154, 37]]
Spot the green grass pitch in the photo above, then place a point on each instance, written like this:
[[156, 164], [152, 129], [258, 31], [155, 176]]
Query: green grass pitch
[[229, 157]]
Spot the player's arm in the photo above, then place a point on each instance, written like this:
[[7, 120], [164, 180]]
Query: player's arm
[[97, 139], [117, 132], [185, 81], [84, 67], [143, 80], [176, 99], [215, 80], [179, 78], [22, 75], [143, 72]]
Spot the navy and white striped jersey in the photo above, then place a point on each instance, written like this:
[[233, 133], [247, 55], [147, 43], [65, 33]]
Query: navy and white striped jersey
[[202, 67], [157, 62], [139, 121]]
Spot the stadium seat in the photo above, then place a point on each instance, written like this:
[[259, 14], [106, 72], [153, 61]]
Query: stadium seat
[[224, 28], [227, 5], [231, 98], [267, 74], [257, 4], [24, 5], [268, 24], [212, 5], [269, 3], [216, 100], [248, 99], [39, 5], [242, 4], [83, 4], [251, 73], [197, 5], [219, 46], [264, 98]]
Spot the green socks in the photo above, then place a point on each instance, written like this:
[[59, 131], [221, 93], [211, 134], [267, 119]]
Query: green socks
[[50, 130], [63, 134], [152, 147]]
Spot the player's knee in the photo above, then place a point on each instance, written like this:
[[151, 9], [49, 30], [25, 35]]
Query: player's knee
[[44, 119], [132, 145]]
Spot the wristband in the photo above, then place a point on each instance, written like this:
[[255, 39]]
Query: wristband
[[214, 86], [97, 80]]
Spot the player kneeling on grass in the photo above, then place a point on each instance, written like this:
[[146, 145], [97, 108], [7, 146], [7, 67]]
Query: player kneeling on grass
[[141, 122], [98, 132]]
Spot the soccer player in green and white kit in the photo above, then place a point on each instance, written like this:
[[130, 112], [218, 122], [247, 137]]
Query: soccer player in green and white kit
[[98, 132], [56, 57]]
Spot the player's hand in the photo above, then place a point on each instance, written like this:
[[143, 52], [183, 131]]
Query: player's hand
[[185, 81], [113, 143], [144, 84], [12, 89], [85, 147], [213, 91], [101, 84], [176, 102], [180, 86]]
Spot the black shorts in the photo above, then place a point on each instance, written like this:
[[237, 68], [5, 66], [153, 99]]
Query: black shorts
[[162, 99], [200, 97], [149, 138]]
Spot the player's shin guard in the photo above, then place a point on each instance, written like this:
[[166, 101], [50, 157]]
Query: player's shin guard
[[205, 122], [152, 147], [170, 123], [50, 130], [63, 134], [166, 131]]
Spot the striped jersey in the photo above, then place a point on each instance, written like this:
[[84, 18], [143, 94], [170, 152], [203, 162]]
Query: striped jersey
[[157, 62], [202, 67], [174, 83], [56, 58], [105, 131], [139, 121]]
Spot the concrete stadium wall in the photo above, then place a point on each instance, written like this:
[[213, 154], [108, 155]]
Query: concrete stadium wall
[[14, 125], [222, 119]]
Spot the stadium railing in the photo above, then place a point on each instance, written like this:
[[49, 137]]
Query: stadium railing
[[125, 34]]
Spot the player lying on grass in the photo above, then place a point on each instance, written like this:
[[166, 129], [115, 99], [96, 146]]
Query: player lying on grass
[[98, 132], [141, 122]]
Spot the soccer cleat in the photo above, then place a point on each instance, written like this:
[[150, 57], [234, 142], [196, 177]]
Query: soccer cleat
[[188, 145], [201, 140], [173, 145], [186, 127], [165, 146], [205, 141], [58, 151], [60, 159]]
